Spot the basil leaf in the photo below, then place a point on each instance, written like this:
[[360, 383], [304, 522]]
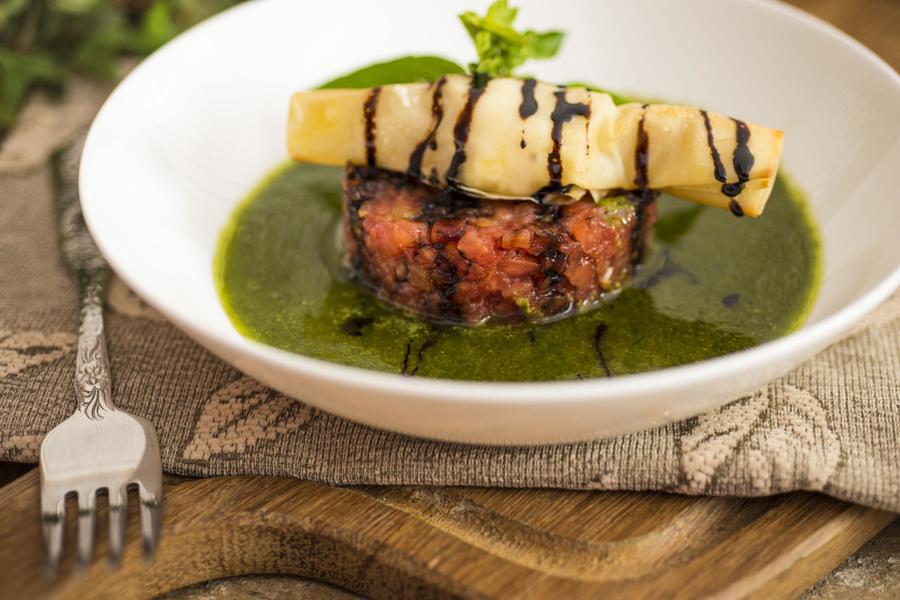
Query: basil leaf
[[408, 69], [546, 45], [500, 48], [617, 98]]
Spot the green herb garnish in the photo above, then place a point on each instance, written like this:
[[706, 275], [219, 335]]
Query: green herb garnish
[[501, 49], [409, 69], [43, 41], [617, 98]]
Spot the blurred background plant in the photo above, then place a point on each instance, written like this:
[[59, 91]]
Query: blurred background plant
[[43, 42]]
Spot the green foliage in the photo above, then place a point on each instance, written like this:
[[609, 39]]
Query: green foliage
[[43, 41], [617, 98], [409, 69], [501, 49]]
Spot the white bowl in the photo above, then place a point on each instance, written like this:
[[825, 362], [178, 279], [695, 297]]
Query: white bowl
[[197, 125]]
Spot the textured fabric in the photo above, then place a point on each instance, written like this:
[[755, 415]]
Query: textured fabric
[[832, 425]]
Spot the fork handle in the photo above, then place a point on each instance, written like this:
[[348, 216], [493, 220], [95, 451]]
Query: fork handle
[[93, 383]]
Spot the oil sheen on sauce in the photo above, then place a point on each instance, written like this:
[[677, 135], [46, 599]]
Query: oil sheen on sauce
[[709, 286]]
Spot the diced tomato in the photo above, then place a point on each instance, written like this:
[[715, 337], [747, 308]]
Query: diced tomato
[[450, 257]]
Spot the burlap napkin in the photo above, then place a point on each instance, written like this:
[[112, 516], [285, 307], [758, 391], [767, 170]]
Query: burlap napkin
[[832, 425]]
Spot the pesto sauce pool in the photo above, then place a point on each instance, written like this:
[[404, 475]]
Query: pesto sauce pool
[[710, 285]]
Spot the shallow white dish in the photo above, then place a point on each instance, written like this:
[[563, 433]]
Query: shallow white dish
[[197, 125]]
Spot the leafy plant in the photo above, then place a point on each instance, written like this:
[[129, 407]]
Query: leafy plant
[[42, 42], [501, 49], [408, 69]]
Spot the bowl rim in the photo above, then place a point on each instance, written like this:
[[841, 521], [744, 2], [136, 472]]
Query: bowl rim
[[466, 392]]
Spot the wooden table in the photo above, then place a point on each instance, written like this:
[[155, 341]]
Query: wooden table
[[437, 542], [414, 542]]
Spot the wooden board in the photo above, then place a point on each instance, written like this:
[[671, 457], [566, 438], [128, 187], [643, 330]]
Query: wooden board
[[396, 542], [417, 542]]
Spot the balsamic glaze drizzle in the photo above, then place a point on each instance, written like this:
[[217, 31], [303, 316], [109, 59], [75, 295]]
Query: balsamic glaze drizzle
[[405, 366], [462, 127], [668, 269], [719, 168], [731, 300], [421, 354], [641, 148], [742, 160], [369, 109], [529, 104], [354, 325], [437, 115], [598, 339], [644, 197], [360, 259], [563, 112]]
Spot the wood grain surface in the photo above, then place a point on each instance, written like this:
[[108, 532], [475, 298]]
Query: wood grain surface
[[417, 542], [876, 23], [442, 542]]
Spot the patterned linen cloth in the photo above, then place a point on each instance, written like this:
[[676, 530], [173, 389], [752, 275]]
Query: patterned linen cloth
[[832, 425]]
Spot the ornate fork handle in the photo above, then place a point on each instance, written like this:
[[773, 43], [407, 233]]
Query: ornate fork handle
[[93, 384], [99, 448]]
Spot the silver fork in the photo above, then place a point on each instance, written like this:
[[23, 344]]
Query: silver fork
[[99, 447]]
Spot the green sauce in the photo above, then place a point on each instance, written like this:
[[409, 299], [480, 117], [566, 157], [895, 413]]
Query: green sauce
[[712, 284]]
